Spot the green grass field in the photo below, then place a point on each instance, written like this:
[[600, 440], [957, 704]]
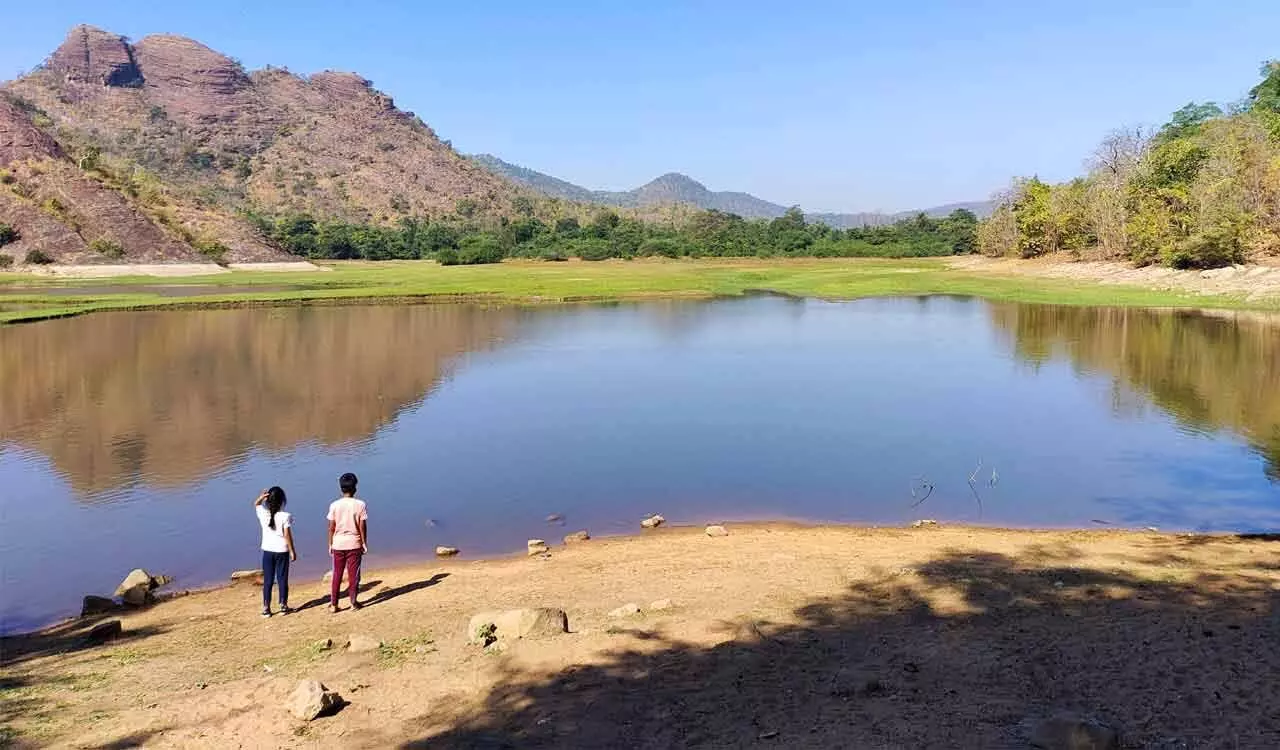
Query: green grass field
[[28, 298]]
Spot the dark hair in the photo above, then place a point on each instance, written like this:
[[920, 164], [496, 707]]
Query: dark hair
[[275, 501], [347, 483]]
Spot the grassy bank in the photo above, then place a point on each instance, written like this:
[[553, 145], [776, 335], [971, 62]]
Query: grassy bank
[[42, 297]]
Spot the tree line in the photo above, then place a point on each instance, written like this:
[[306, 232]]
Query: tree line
[[1201, 191], [463, 240]]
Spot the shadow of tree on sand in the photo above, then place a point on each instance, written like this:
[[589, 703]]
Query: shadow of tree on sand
[[964, 651]]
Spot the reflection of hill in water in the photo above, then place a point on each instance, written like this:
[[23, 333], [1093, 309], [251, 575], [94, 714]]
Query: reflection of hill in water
[[171, 396], [1210, 371]]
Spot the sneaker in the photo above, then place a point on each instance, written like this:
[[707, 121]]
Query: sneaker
[[266, 612], [285, 609]]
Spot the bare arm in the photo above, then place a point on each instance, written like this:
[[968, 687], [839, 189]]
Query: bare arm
[[332, 528], [288, 537], [363, 527], [262, 498]]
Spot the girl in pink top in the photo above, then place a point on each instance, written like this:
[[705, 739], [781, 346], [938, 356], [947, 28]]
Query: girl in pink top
[[348, 540]]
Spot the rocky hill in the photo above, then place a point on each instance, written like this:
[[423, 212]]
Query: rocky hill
[[114, 151], [676, 188]]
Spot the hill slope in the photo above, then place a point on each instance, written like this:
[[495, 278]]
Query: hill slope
[[677, 188], [156, 147]]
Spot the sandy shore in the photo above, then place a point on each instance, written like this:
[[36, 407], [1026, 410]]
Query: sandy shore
[[774, 636], [1255, 282]]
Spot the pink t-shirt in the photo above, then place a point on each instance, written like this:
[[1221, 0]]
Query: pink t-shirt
[[345, 512]]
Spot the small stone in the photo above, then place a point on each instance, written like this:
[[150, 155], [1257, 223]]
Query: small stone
[[714, 531], [136, 577], [1066, 731], [924, 522], [135, 589], [324, 644], [421, 649], [514, 624], [652, 522], [770, 735], [576, 537], [1153, 529], [852, 682], [661, 605], [626, 610], [538, 547], [158, 581], [359, 644], [103, 632], [137, 596], [97, 605], [311, 699], [441, 551], [247, 576], [555, 518]]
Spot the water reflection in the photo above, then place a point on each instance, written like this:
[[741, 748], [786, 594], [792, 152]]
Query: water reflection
[[1210, 371], [170, 397]]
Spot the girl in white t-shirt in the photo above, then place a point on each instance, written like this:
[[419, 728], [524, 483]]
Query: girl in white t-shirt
[[277, 546]]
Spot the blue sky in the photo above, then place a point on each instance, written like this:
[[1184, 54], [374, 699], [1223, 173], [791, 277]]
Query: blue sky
[[831, 105]]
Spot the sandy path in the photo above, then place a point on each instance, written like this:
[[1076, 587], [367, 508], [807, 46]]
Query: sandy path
[[780, 636]]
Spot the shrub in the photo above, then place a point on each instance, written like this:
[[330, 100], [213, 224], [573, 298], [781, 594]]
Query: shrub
[[478, 250], [108, 247], [7, 234], [213, 250], [594, 249], [6, 261], [38, 258], [663, 247]]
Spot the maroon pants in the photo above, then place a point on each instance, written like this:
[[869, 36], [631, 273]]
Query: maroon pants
[[348, 560]]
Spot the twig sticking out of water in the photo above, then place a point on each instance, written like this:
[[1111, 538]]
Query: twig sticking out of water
[[973, 487], [921, 489]]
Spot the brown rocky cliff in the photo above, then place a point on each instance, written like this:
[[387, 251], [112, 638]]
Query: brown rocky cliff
[[191, 139], [20, 138], [91, 55]]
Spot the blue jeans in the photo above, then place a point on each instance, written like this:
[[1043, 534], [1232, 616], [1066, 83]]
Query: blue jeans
[[275, 569]]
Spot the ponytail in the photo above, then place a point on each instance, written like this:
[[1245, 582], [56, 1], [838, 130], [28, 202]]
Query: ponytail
[[275, 501]]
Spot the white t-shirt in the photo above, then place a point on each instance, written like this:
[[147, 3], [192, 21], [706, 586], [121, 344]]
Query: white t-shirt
[[273, 539]]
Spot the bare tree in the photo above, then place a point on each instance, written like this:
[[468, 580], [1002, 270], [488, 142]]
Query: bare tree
[[1111, 167]]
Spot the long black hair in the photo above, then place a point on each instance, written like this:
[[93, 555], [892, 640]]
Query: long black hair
[[275, 501]]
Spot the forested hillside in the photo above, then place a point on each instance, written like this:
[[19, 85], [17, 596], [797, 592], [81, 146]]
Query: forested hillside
[[1201, 191]]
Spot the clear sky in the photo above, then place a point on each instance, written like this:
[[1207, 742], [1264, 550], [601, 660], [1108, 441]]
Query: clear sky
[[832, 105]]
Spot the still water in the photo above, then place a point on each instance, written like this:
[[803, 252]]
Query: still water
[[140, 439]]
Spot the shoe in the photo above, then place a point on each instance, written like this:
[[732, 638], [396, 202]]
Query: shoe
[[266, 612], [285, 609], [357, 605]]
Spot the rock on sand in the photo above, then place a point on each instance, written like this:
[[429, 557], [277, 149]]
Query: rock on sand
[[538, 547], [717, 531], [652, 522], [441, 551], [577, 536], [311, 699], [514, 624]]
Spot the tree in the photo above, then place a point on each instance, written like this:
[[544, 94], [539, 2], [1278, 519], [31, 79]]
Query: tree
[[1187, 121]]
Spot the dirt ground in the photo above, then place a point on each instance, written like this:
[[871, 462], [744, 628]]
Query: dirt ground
[[777, 636], [1256, 281]]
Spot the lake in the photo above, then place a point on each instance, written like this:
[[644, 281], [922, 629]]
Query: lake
[[140, 439]]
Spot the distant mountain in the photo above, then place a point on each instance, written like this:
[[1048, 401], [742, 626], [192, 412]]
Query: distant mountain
[[674, 187]]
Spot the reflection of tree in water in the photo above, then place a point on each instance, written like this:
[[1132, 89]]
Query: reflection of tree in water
[[171, 396], [1210, 371]]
